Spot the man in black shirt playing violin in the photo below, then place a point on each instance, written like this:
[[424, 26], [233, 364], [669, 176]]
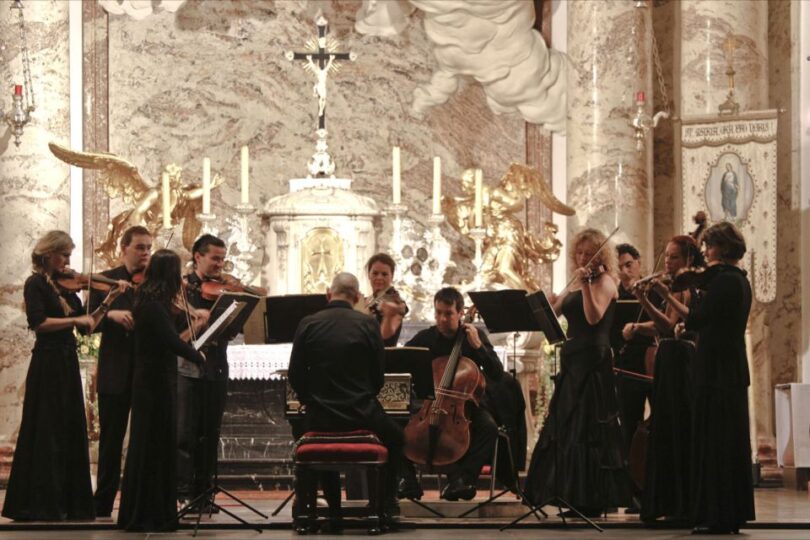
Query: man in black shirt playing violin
[[463, 476], [201, 392], [115, 365]]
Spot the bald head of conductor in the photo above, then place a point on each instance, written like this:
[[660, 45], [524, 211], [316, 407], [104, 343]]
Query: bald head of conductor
[[344, 288]]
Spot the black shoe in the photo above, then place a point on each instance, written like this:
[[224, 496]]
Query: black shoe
[[409, 488], [587, 512], [458, 489]]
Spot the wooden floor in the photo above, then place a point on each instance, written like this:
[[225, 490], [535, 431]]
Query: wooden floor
[[781, 513]]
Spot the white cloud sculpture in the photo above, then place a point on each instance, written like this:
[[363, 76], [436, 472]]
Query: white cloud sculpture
[[139, 9], [492, 41]]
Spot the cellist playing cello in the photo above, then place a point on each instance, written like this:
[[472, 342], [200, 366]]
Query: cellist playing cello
[[448, 304]]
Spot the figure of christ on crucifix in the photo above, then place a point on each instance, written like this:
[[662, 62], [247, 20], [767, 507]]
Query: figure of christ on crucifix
[[320, 62]]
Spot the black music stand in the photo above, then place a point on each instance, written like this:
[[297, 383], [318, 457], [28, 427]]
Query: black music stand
[[419, 363], [515, 311], [414, 360], [281, 320], [547, 320], [283, 314], [206, 501]]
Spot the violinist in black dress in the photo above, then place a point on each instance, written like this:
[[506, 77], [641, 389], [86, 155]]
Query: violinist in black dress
[[668, 463], [384, 303], [149, 489], [722, 487], [50, 473], [581, 435]]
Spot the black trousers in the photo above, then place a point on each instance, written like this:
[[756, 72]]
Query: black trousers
[[200, 406], [483, 433], [632, 394], [113, 416]]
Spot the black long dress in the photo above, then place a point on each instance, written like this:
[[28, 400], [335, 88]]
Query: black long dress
[[667, 477], [149, 488], [722, 488], [50, 474], [583, 419]]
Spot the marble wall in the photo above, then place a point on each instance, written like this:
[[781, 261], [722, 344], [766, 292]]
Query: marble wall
[[34, 187], [665, 30], [609, 178], [212, 77], [781, 343]]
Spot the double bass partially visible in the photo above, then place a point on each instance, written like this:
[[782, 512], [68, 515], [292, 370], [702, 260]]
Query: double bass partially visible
[[439, 434]]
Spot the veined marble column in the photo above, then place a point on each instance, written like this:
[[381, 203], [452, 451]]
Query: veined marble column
[[706, 25], [34, 188], [609, 179]]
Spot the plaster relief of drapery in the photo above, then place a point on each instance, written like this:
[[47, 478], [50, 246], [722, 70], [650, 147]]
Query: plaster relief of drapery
[[139, 9], [494, 42]]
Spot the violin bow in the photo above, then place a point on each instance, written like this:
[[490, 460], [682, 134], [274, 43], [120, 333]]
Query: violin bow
[[593, 257]]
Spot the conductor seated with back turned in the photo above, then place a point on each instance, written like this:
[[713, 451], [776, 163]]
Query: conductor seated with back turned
[[448, 306], [337, 370]]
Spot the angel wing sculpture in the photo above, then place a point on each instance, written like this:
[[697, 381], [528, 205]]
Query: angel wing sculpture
[[121, 179], [509, 250]]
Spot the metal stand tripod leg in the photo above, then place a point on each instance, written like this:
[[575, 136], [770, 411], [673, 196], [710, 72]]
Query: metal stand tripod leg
[[284, 503], [502, 434], [556, 500], [208, 496]]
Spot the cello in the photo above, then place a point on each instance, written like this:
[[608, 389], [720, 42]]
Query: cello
[[439, 434]]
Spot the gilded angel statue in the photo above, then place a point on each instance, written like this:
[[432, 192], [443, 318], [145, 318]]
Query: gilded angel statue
[[121, 178], [509, 250]]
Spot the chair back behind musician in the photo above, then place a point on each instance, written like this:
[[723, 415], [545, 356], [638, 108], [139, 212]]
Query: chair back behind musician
[[337, 369]]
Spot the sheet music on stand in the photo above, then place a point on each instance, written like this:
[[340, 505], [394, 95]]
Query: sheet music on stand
[[514, 310], [225, 320]]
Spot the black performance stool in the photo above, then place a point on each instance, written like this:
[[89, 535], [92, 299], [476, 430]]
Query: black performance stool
[[340, 451]]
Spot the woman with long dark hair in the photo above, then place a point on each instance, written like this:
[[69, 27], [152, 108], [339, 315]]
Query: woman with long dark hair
[[149, 489], [50, 474], [579, 455], [722, 488], [666, 478]]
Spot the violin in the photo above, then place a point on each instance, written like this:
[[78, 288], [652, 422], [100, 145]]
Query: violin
[[439, 434], [212, 289], [388, 295], [72, 281], [138, 277], [694, 278], [595, 272], [647, 281]]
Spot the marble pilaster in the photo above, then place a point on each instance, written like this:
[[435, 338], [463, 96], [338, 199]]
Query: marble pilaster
[[34, 188], [705, 26], [609, 180]]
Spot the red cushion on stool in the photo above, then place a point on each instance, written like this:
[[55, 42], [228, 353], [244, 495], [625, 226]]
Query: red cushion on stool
[[350, 437], [486, 470], [341, 453]]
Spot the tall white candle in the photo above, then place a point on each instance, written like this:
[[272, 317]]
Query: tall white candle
[[396, 174], [206, 186], [437, 185], [479, 198], [167, 217], [245, 176]]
